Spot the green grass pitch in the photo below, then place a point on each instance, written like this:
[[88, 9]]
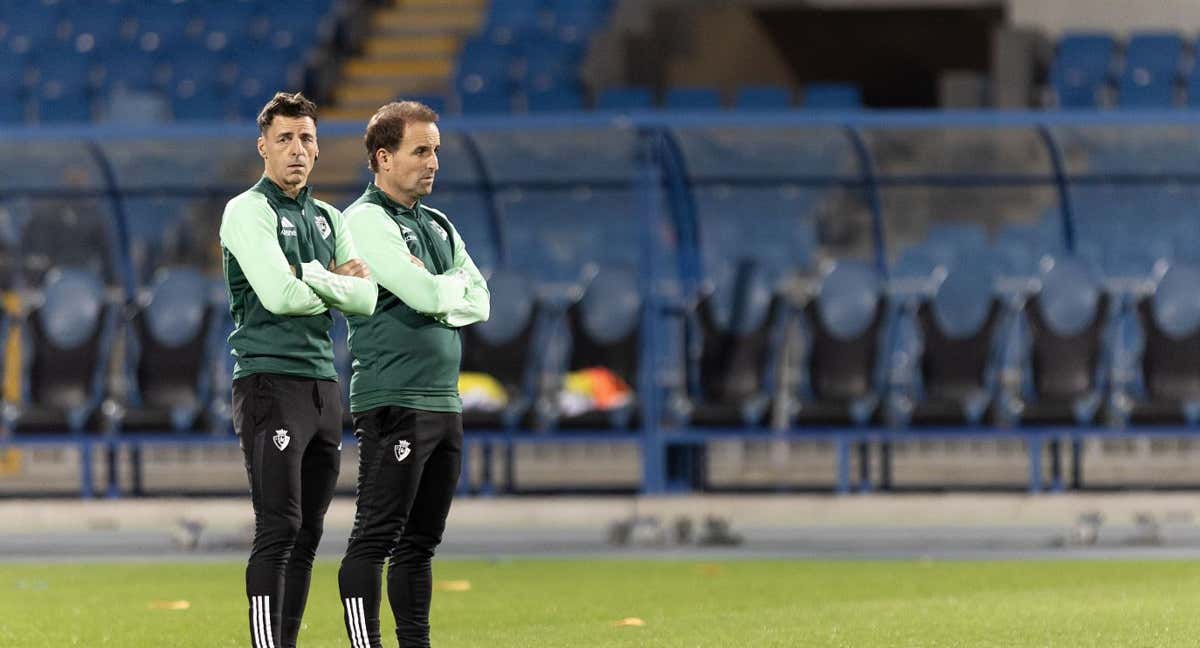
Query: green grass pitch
[[535, 603]]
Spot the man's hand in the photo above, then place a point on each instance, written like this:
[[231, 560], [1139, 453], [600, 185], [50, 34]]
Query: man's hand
[[351, 268], [417, 262]]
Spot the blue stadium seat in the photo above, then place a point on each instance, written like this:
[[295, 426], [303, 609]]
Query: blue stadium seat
[[763, 98], [67, 346], [506, 19], [693, 99], [576, 20], [736, 322], [605, 327], [12, 89], [1081, 68], [167, 351], [842, 381], [57, 103], [128, 69], [960, 332], [625, 99], [493, 101], [32, 27], [1170, 355], [1066, 354], [505, 348], [98, 25], [557, 99], [1152, 65], [482, 66], [831, 96], [167, 24]]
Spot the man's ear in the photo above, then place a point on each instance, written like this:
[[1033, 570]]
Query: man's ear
[[262, 147]]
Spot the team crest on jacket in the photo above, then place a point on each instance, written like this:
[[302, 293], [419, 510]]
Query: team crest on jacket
[[402, 448], [438, 228], [281, 439], [323, 226]]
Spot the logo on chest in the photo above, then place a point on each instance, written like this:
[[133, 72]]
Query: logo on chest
[[438, 228], [409, 235], [286, 227], [322, 226]]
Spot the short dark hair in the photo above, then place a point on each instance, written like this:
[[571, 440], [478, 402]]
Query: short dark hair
[[386, 128], [286, 104]]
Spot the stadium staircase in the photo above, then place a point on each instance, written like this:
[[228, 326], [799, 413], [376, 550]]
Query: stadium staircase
[[410, 53]]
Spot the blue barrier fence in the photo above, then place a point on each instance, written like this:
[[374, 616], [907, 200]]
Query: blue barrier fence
[[672, 195]]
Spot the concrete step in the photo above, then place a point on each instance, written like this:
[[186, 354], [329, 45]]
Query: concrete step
[[431, 46], [382, 68]]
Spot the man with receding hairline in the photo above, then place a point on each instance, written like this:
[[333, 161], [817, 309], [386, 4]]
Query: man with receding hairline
[[288, 258], [404, 393]]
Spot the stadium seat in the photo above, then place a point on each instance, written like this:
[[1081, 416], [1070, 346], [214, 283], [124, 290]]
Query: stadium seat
[[692, 99], [1153, 62], [504, 348], [625, 99], [1066, 357], [605, 328], [959, 330], [840, 379], [167, 368], [1081, 69], [731, 372], [33, 27], [763, 98], [557, 99], [493, 101], [66, 354], [1170, 359], [831, 96]]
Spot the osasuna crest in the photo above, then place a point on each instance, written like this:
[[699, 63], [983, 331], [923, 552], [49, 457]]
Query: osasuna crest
[[322, 226], [402, 449], [281, 439], [438, 228]]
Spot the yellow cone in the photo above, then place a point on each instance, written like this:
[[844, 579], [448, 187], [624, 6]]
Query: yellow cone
[[630, 622], [452, 586]]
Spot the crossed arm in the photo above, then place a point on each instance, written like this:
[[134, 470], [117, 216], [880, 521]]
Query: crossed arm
[[456, 298], [248, 231]]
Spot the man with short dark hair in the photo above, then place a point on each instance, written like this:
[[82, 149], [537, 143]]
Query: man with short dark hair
[[288, 259], [404, 393]]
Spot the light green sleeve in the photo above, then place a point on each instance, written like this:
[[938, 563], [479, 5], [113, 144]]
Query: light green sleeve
[[351, 295], [381, 245], [248, 231], [478, 305]]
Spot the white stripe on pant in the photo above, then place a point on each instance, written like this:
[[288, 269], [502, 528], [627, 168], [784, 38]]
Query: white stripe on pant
[[356, 618], [260, 609]]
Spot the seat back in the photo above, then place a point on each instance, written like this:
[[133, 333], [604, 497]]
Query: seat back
[[1170, 321], [1066, 323], [172, 326], [844, 324], [67, 339]]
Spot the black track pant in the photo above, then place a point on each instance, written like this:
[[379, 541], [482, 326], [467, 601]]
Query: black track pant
[[407, 473], [290, 430]]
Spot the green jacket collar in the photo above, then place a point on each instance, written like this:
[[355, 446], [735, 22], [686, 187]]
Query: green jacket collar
[[268, 187], [387, 201]]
